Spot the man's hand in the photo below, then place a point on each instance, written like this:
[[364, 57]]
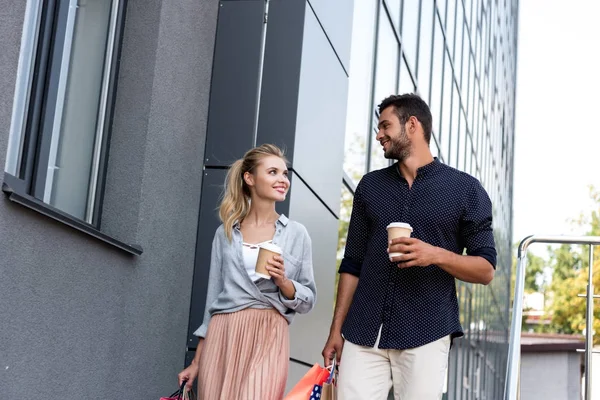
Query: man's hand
[[414, 252], [333, 348]]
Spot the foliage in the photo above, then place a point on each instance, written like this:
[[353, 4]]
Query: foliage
[[570, 277]]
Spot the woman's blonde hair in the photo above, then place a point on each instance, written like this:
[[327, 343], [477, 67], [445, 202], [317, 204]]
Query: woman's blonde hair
[[236, 198]]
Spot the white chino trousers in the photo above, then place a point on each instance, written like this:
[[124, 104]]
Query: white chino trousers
[[367, 373]]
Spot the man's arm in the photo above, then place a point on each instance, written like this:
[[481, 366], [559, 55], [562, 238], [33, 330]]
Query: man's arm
[[346, 288], [350, 268], [335, 343], [416, 253], [472, 269]]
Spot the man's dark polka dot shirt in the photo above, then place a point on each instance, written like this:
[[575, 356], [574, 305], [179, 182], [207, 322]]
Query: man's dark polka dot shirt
[[446, 208]]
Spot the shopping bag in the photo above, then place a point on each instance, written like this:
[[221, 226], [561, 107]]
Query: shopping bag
[[329, 389], [181, 394], [303, 390]]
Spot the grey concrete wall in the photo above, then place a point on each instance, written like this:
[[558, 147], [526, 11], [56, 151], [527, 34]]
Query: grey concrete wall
[[78, 318], [551, 376]]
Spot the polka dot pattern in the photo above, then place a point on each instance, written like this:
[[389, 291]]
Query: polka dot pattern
[[446, 208]]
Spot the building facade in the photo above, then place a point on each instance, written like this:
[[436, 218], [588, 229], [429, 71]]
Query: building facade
[[119, 119]]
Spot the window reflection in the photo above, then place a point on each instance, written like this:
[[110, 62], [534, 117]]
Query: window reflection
[[393, 7], [359, 89], [406, 83], [437, 76], [386, 76], [425, 44], [410, 27]]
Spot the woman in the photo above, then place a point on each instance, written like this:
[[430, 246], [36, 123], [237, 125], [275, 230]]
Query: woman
[[243, 347]]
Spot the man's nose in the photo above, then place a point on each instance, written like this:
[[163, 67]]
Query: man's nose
[[379, 135]]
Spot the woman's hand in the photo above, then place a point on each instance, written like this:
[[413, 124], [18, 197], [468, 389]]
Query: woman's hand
[[276, 269], [188, 375]]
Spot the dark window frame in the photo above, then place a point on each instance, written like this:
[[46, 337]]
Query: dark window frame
[[27, 186]]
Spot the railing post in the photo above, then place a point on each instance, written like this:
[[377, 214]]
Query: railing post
[[514, 344], [511, 386], [589, 327]]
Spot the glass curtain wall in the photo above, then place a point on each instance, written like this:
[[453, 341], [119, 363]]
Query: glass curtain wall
[[460, 56]]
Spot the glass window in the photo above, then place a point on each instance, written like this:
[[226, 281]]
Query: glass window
[[358, 119], [468, 11], [77, 119], [410, 27], [462, 141], [441, 6], [436, 77], [73, 96], [405, 84], [458, 47], [393, 7], [466, 67], [29, 42], [446, 107], [454, 129], [386, 75], [425, 47], [450, 24]]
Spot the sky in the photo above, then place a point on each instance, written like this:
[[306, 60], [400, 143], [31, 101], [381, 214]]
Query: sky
[[557, 134]]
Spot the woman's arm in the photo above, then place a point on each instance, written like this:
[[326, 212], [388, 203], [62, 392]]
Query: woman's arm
[[215, 280]]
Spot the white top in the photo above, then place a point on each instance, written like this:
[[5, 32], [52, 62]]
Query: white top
[[250, 255]]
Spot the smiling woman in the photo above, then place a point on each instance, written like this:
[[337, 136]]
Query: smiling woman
[[247, 313]]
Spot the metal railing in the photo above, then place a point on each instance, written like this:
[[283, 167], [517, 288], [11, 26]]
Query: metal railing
[[511, 388]]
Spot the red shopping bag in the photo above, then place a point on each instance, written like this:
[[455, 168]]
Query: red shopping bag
[[317, 375]]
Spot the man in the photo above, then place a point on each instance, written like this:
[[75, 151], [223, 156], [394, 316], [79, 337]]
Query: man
[[395, 317]]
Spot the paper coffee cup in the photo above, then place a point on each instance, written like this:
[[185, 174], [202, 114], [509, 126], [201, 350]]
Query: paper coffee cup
[[396, 230], [266, 252]]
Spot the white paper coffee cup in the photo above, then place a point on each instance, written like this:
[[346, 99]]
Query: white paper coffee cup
[[396, 230], [266, 252]]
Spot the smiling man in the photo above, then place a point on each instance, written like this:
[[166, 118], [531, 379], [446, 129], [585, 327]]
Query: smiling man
[[395, 317]]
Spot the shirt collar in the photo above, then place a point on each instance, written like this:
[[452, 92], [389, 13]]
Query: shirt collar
[[422, 171], [283, 220]]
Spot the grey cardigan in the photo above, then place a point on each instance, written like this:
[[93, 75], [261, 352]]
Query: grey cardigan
[[230, 288]]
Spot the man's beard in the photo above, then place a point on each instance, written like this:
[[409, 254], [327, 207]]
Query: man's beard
[[400, 147]]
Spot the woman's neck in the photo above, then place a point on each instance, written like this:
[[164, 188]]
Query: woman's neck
[[261, 213]]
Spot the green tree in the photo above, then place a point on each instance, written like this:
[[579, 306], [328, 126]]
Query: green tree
[[569, 278], [534, 274]]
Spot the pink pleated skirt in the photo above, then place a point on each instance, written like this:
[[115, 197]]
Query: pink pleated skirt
[[245, 356]]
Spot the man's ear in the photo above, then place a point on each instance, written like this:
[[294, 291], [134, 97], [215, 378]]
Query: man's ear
[[412, 125]]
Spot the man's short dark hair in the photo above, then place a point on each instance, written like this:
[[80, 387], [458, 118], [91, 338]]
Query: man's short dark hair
[[410, 105]]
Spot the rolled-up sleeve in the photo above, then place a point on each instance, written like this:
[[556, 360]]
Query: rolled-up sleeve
[[476, 225], [357, 239], [306, 290], [215, 282]]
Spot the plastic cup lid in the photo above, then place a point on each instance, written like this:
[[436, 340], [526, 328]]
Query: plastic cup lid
[[271, 247], [400, 225]]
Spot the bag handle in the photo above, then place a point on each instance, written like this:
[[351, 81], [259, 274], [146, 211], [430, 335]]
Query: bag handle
[[332, 373], [179, 392]]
